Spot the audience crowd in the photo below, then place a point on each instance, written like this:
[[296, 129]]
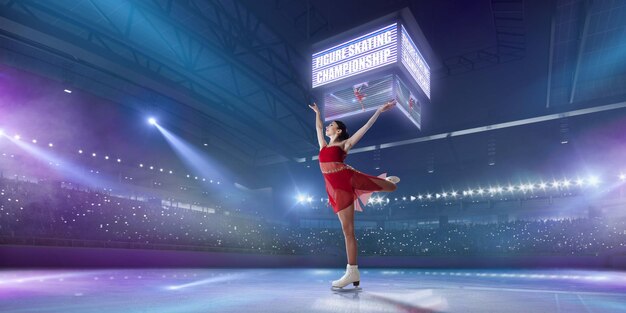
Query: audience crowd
[[29, 210]]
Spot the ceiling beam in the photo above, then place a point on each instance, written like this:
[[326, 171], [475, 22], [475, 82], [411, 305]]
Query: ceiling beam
[[532, 120], [582, 40]]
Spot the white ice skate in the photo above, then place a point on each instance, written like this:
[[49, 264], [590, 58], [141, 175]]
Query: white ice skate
[[393, 179], [351, 276]]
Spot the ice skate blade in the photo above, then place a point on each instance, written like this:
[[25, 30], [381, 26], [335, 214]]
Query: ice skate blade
[[339, 289], [343, 289]]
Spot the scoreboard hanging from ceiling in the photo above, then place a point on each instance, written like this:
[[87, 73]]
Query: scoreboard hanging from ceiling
[[357, 56], [371, 65]]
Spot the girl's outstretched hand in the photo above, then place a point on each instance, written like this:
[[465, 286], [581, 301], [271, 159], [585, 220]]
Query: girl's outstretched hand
[[314, 107], [387, 106]]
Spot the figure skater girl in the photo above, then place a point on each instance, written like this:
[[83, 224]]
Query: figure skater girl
[[345, 185]]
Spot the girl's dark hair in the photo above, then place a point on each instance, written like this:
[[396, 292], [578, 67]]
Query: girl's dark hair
[[344, 131]]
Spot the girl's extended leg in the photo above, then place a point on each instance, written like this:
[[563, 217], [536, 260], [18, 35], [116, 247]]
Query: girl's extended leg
[[386, 185], [346, 217]]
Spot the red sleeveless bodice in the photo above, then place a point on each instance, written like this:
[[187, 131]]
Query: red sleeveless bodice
[[332, 154]]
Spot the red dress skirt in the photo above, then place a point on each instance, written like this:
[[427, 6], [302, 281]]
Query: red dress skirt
[[344, 184]]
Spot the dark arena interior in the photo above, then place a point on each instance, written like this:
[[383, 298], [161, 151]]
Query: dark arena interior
[[312, 156]]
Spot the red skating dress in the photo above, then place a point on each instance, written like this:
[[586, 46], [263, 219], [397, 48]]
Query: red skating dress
[[344, 184]]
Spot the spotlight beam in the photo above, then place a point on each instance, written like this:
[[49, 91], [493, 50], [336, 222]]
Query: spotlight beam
[[192, 157], [72, 171]]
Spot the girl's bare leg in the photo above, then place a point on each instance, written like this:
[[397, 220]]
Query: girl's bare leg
[[386, 185], [346, 217]]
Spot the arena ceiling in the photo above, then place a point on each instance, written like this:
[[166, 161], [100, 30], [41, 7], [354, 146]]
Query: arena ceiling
[[234, 73]]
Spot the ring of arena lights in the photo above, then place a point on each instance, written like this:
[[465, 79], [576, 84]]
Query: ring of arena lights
[[152, 121], [525, 188], [593, 181]]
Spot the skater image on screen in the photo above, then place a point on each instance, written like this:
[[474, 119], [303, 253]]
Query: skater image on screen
[[359, 94], [347, 186]]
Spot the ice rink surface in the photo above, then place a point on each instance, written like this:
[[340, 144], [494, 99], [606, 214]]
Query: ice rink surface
[[308, 290]]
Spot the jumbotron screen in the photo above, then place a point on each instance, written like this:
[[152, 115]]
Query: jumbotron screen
[[359, 74], [414, 62], [356, 56], [361, 97], [369, 95], [408, 103]]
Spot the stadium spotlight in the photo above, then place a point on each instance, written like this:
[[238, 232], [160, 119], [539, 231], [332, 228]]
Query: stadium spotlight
[[1, 132], [622, 177], [34, 141], [152, 121], [593, 180], [580, 182], [301, 198], [17, 137], [309, 199]]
